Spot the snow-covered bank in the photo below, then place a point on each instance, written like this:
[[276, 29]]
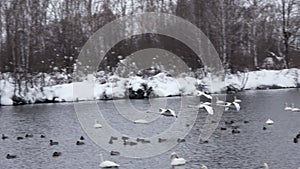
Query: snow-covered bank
[[159, 85]]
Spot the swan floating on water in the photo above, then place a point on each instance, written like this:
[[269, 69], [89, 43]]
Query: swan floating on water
[[287, 108], [265, 166], [203, 167], [237, 100], [176, 161], [269, 122], [107, 164], [97, 124], [294, 109]]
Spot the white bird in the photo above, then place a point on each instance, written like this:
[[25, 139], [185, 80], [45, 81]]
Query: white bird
[[141, 121], [219, 102], [227, 105], [107, 164], [287, 108], [176, 161], [265, 166], [199, 93], [237, 100], [294, 109], [203, 167], [97, 124], [167, 112], [269, 122], [206, 106]]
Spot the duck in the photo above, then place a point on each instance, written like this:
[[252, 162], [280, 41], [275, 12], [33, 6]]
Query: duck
[[235, 99], [295, 140], [200, 93], [124, 137], [97, 124], [28, 135], [43, 136], [203, 167], [56, 154], [20, 138], [107, 164], [131, 143], [287, 108], [235, 131], [4, 137], [9, 156], [114, 153], [294, 109], [176, 161], [269, 122], [79, 143], [180, 140], [81, 138], [167, 112], [52, 143], [160, 140]]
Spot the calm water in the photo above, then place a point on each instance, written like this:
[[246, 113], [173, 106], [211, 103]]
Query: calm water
[[247, 150]]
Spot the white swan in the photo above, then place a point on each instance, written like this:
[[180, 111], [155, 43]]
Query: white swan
[[206, 106], [237, 100], [287, 108], [97, 124], [294, 109], [269, 122], [176, 161], [199, 93], [203, 167], [107, 164], [265, 166], [141, 121], [167, 112], [219, 102], [227, 105]]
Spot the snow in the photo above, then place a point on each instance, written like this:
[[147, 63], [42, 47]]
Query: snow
[[102, 86]]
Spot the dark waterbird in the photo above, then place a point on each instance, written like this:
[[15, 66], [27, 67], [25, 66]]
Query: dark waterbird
[[20, 138], [114, 153], [43, 136], [28, 135], [56, 154], [81, 138], [52, 143], [4, 137], [9, 156], [79, 143]]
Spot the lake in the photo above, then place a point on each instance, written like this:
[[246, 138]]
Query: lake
[[247, 149]]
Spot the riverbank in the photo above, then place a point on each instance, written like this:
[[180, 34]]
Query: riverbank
[[136, 87]]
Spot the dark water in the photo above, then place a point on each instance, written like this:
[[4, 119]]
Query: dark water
[[246, 150]]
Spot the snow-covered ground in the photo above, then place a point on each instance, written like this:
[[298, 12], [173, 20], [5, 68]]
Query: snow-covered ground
[[160, 85]]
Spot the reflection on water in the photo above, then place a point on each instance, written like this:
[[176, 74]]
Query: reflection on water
[[247, 149]]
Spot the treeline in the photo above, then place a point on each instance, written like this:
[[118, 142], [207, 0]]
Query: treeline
[[47, 35]]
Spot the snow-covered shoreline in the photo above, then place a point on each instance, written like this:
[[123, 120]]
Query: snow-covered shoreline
[[160, 85]]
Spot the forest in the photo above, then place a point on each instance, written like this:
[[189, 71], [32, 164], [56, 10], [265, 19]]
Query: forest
[[47, 35]]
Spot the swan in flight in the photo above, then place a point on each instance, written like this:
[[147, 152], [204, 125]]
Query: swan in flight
[[176, 161], [97, 124], [199, 93], [294, 109], [206, 106], [107, 164], [167, 112], [269, 122], [237, 100], [287, 107]]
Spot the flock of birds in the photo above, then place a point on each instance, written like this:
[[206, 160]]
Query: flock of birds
[[175, 159]]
